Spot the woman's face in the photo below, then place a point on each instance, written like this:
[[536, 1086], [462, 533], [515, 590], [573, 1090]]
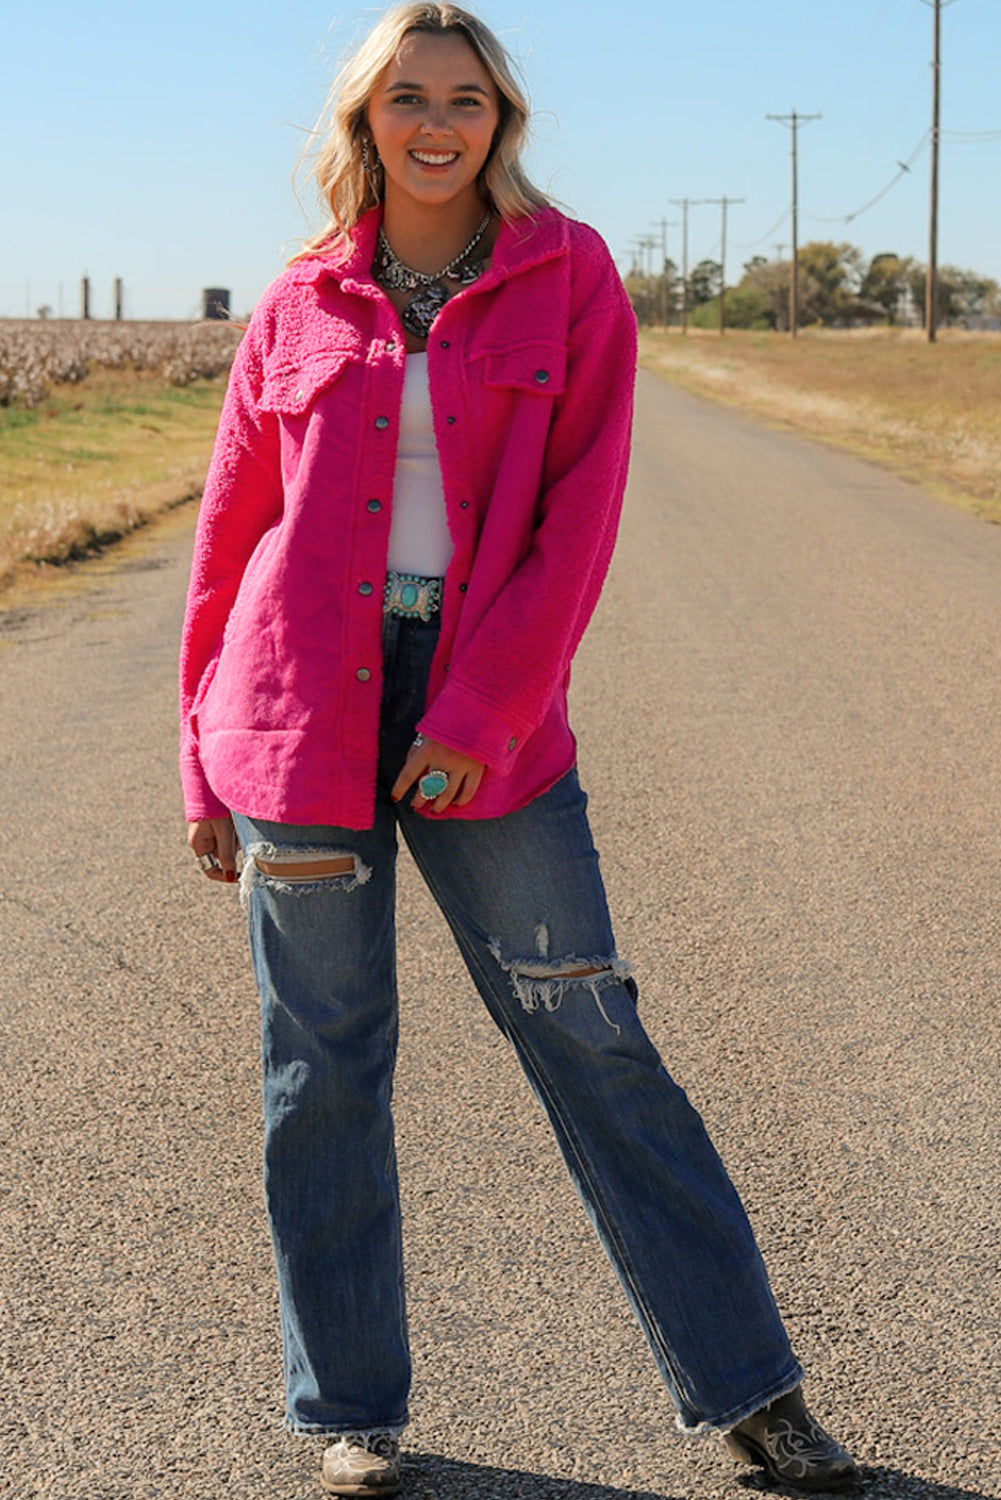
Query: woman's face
[[432, 116]]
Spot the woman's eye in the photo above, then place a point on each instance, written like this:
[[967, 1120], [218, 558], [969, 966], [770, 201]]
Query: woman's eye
[[406, 99]]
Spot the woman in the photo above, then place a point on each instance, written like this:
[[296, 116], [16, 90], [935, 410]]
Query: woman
[[409, 514]]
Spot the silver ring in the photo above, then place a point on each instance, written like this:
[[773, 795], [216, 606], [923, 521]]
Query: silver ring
[[418, 741], [209, 862], [432, 784]]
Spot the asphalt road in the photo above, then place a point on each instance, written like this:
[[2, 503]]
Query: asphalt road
[[788, 716]]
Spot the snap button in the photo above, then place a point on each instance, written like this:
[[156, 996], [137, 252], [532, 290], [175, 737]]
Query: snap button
[[463, 587], [512, 743], [451, 421], [382, 423], [445, 343], [374, 505], [365, 588], [299, 395], [542, 376], [390, 345], [363, 674], [463, 504]]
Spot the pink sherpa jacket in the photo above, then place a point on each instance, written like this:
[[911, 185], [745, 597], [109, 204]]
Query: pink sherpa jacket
[[531, 371]]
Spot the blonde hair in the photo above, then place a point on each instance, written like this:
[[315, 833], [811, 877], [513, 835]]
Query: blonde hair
[[346, 188]]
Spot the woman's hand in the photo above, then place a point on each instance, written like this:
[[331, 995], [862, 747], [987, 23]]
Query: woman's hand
[[464, 774], [215, 836]]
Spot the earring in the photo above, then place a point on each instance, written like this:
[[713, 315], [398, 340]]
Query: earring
[[370, 158]]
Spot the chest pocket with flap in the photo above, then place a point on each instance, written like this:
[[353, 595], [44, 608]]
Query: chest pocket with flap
[[290, 390], [537, 368]]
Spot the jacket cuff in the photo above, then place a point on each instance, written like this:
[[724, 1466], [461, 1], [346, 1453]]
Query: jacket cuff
[[474, 728], [200, 801]]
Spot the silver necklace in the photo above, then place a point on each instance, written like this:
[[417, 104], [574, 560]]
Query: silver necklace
[[431, 293]]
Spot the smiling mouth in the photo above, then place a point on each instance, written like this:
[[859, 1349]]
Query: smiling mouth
[[435, 158]]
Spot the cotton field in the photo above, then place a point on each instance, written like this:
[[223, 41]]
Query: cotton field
[[34, 356]]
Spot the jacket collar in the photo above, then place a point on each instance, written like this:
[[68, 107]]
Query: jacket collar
[[520, 245]]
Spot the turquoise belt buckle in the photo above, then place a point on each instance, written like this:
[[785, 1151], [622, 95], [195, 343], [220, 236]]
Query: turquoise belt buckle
[[411, 597]]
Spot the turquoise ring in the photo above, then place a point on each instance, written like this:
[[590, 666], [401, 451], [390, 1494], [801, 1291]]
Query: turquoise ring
[[432, 784]]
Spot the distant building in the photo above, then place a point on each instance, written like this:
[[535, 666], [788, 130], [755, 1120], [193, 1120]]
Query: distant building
[[215, 303], [907, 314]]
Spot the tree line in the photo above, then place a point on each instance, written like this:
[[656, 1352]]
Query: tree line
[[838, 288]]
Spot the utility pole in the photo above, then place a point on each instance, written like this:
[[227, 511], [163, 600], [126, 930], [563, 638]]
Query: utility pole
[[648, 244], [664, 225], [641, 256], [931, 281], [794, 121], [684, 204], [722, 258]]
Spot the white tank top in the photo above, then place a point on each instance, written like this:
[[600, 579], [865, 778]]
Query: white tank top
[[419, 538]]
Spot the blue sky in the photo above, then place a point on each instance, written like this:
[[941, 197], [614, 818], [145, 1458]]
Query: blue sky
[[157, 143]]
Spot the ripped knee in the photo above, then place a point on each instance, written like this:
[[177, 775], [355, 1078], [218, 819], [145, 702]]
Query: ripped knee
[[540, 981], [300, 871]]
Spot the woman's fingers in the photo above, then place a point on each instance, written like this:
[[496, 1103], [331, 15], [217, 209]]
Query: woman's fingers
[[470, 786], [226, 846], [213, 842], [464, 775], [411, 771]]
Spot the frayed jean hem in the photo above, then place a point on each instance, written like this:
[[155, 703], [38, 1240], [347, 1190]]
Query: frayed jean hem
[[324, 1430], [725, 1423]]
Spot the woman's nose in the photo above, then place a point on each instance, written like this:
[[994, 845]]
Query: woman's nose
[[435, 120]]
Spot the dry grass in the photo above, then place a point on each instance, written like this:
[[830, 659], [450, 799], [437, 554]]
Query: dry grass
[[92, 461], [930, 411]]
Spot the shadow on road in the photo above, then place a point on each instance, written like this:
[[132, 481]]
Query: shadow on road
[[877, 1484], [428, 1476]]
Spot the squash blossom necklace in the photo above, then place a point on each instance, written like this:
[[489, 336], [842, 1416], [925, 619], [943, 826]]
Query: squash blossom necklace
[[431, 294]]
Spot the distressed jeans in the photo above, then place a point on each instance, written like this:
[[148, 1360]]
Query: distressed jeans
[[524, 899]]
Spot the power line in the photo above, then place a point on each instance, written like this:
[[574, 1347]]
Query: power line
[[753, 244], [903, 170]]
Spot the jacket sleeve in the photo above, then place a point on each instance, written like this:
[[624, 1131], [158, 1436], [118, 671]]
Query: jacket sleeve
[[502, 684], [241, 500]]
